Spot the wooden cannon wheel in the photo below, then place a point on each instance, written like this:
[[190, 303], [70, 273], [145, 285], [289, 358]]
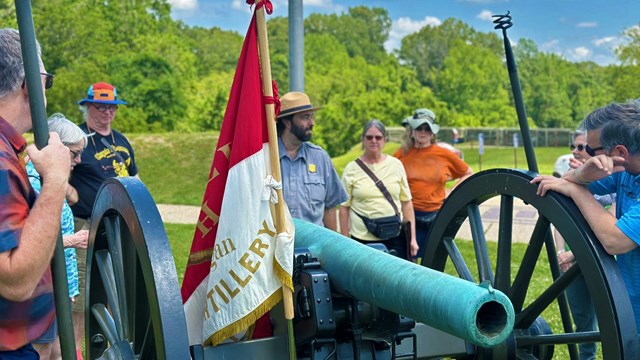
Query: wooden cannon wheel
[[134, 309], [531, 336]]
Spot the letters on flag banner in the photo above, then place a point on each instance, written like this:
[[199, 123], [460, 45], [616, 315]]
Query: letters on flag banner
[[238, 263]]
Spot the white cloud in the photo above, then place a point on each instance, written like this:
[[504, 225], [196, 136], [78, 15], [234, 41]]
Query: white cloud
[[318, 3], [404, 26], [607, 40], [580, 53], [605, 59], [183, 4], [591, 24], [551, 46], [241, 5], [485, 15]]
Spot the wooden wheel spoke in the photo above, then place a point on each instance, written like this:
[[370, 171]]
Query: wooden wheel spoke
[[480, 244], [113, 229], [458, 261], [105, 321], [146, 346], [526, 317], [503, 261], [105, 266], [525, 272]]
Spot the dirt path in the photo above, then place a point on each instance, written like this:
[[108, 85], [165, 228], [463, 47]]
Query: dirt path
[[524, 218]]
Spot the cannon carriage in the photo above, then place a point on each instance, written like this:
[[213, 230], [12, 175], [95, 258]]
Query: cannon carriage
[[370, 306], [356, 302]]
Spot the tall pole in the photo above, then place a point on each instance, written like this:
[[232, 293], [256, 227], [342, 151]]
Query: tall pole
[[503, 22], [274, 158], [41, 136], [296, 46]]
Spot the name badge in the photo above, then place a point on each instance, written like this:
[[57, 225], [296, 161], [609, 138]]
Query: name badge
[[312, 168]]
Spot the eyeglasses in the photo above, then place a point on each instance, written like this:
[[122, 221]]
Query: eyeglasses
[[48, 82], [371, 137], [424, 128], [592, 151], [580, 147], [75, 154], [105, 108]]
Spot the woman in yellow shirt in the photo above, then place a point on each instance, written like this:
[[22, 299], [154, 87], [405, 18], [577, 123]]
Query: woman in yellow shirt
[[428, 167], [367, 200]]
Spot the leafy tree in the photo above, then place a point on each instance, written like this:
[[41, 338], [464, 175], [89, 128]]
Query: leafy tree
[[215, 49], [426, 50], [627, 77], [362, 30], [475, 91]]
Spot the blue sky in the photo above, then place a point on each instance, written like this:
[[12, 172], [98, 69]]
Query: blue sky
[[578, 30]]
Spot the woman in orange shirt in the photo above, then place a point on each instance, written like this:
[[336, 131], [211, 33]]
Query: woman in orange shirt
[[428, 167]]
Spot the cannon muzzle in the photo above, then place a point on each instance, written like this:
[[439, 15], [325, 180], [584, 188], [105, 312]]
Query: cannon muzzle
[[476, 313]]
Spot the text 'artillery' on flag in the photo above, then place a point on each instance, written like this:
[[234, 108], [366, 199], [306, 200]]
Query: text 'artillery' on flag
[[238, 263]]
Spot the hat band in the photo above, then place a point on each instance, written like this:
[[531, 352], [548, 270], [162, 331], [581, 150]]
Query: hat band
[[294, 110]]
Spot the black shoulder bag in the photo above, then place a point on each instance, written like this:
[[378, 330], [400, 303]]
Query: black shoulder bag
[[385, 227]]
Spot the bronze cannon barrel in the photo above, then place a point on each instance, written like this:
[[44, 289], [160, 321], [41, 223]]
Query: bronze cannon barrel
[[476, 313]]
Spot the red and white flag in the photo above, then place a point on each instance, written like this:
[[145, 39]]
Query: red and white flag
[[238, 264]]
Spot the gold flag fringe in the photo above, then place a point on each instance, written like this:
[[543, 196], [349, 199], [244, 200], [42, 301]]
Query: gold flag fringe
[[283, 275], [243, 323]]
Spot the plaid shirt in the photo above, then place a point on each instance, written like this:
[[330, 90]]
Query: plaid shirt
[[20, 322]]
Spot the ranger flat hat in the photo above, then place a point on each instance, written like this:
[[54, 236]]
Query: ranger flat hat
[[294, 102]]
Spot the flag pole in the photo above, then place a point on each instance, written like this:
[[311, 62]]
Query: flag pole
[[267, 90]]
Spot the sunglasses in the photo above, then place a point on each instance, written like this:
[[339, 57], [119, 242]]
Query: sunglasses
[[592, 151], [424, 128], [371, 137], [580, 147], [48, 82]]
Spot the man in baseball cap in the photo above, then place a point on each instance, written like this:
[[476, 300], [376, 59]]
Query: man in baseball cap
[[311, 186]]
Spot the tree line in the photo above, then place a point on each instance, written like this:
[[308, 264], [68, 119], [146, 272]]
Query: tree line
[[177, 77]]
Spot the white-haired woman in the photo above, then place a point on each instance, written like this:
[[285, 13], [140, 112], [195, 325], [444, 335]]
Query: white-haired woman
[[75, 139]]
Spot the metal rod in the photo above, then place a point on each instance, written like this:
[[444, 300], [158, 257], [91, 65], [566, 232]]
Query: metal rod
[[41, 138], [503, 22], [296, 46]]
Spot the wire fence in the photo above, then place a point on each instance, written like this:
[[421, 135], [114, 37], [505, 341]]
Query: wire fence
[[496, 136]]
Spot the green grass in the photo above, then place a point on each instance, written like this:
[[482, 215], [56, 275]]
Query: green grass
[[175, 167], [180, 237]]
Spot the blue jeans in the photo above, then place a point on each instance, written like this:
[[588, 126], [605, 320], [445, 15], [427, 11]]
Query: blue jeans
[[25, 352], [583, 313]]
